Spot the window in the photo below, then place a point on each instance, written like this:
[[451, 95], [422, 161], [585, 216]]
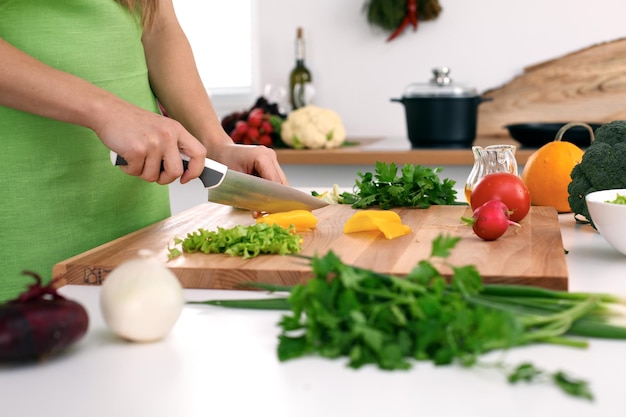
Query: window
[[220, 34]]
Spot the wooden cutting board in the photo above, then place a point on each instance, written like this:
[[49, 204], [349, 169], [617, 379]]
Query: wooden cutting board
[[532, 255], [586, 85]]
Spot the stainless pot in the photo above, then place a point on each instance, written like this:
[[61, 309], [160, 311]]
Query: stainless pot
[[441, 114]]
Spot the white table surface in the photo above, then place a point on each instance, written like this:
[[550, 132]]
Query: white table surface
[[222, 362]]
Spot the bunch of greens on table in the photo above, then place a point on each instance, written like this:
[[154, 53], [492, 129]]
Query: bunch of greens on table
[[415, 186], [373, 318]]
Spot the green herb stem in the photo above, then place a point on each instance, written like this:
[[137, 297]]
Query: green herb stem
[[254, 304], [519, 291]]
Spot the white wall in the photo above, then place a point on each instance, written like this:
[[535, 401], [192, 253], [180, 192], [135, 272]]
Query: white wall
[[485, 42]]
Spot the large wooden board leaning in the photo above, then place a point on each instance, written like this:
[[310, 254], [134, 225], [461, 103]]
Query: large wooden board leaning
[[533, 255], [587, 85]]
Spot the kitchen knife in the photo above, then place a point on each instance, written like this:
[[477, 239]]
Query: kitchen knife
[[245, 191]]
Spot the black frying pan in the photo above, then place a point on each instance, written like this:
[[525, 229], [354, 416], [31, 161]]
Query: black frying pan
[[535, 135]]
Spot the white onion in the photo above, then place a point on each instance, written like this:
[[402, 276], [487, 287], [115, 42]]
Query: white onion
[[141, 299]]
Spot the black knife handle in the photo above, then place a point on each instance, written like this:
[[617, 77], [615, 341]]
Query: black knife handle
[[212, 175], [118, 161]]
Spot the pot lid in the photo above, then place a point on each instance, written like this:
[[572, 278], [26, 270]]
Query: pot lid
[[440, 85]]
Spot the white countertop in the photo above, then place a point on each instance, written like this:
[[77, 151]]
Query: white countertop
[[222, 362]]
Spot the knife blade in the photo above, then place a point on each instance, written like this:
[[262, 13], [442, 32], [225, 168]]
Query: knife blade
[[236, 189]]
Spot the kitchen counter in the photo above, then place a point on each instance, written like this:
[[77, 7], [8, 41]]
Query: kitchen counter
[[222, 362], [367, 151]]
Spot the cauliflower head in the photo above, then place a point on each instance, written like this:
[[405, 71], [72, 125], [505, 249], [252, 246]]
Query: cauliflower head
[[313, 127]]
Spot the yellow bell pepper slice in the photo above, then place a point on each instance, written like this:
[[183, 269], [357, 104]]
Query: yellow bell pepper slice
[[392, 230], [363, 221], [302, 220], [386, 221]]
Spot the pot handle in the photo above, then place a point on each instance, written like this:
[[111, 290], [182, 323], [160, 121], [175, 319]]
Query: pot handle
[[399, 100], [483, 99]]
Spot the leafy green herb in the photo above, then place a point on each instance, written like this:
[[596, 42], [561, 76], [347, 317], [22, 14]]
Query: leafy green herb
[[416, 186], [244, 241], [572, 386], [374, 318], [379, 319], [527, 372]]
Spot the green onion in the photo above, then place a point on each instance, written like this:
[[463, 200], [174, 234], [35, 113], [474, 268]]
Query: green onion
[[256, 304]]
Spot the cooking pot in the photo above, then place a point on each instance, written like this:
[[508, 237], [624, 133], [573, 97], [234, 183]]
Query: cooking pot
[[440, 113]]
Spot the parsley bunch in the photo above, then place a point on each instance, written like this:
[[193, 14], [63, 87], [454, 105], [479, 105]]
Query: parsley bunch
[[416, 186], [389, 322], [379, 319]]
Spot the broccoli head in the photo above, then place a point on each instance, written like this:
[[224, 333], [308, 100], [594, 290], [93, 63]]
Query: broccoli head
[[603, 167], [578, 188], [611, 133]]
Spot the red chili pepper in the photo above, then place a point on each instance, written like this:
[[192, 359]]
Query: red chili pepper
[[409, 18], [412, 7], [39, 323]]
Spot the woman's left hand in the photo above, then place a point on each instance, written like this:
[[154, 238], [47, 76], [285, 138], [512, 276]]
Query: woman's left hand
[[251, 159]]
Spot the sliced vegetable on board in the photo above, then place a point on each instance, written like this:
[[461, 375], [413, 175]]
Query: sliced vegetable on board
[[244, 241], [302, 220], [332, 196], [386, 221]]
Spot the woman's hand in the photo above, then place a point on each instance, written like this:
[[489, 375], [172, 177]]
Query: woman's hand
[[151, 145], [141, 137], [251, 159], [175, 80]]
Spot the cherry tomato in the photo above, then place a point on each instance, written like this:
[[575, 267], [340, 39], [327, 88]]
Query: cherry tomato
[[506, 187]]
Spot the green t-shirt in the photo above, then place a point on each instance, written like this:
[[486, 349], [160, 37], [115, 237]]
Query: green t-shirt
[[60, 195]]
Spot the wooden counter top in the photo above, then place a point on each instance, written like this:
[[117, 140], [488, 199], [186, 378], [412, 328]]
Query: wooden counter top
[[398, 150]]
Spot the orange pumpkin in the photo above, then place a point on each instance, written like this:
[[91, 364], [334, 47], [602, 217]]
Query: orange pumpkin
[[547, 171]]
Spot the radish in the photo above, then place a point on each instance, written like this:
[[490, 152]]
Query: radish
[[255, 118], [490, 220]]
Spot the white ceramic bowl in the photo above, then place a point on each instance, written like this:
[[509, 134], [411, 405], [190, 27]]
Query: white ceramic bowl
[[609, 218]]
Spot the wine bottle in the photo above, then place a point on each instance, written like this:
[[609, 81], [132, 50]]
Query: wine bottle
[[300, 81]]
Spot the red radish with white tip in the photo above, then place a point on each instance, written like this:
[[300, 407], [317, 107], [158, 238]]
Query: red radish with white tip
[[491, 220]]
